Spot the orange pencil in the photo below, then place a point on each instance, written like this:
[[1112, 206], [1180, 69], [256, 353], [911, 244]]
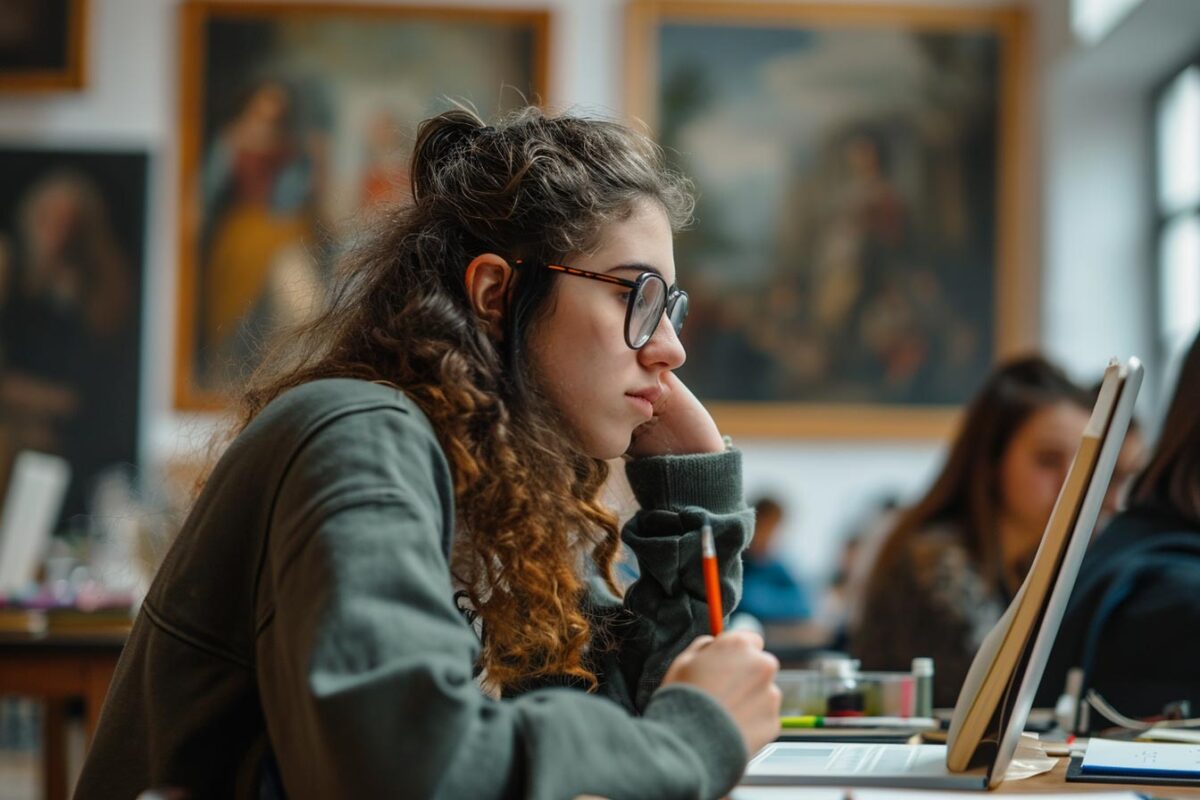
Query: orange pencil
[[712, 582]]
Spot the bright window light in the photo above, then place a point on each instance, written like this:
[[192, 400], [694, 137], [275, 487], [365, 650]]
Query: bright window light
[[1179, 143], [1091, 20], [1180, 259]]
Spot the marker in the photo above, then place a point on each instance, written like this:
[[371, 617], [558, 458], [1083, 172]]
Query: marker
[[712, 581], [813, 721]]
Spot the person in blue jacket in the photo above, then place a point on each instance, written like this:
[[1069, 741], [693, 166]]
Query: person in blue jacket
[[770, 593]]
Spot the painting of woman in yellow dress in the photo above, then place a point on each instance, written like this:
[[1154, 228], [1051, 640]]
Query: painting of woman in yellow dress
[[258, 183], [296, 128]]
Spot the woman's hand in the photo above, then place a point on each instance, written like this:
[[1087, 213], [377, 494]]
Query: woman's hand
[[737, 673], [680, 425]]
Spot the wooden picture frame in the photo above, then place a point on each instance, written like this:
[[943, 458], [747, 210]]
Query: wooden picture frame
[[43, 45], [339, 90], [837, 292]]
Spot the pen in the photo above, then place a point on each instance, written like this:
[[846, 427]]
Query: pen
[[712, 582], [814, 721]]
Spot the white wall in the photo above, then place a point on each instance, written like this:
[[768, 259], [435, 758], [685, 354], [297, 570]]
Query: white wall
[[829, 489], [1098, 248], [1092, 238]]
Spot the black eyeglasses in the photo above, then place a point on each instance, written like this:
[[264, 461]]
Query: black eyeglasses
[[649, 299]]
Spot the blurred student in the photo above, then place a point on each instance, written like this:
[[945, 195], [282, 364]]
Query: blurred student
[[770, 592], [1133, 616], [956, 558], [841, 607]]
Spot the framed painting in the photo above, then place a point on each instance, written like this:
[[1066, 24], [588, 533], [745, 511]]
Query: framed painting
[[296, 121], [851, 267], [72, 233], [42, 44]]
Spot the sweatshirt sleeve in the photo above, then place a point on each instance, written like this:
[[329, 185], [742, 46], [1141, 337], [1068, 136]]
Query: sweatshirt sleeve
[[365, 664], [677, 495]]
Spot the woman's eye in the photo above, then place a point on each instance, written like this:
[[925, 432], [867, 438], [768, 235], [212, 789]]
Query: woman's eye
[[1050, 459]]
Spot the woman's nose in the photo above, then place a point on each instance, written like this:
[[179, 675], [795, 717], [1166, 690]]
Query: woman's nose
[[664, 346]]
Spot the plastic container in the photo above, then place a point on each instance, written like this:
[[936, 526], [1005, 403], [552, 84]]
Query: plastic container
[[803, 692], [888, 694], [884, 694]]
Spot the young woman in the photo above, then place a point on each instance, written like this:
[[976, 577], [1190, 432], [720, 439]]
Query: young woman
[[1133, 614], [398, 580], [954, 560]]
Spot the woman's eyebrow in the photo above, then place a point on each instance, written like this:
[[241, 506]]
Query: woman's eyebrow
[[638, 267]]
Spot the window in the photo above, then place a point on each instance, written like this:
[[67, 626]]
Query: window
[[1177, 209], [1091, 20]]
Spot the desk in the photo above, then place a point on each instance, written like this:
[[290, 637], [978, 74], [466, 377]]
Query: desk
[[59, 668], [1052, 782]]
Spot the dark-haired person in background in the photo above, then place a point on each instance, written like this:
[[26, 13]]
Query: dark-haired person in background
[[1133, 617], [956, 558]]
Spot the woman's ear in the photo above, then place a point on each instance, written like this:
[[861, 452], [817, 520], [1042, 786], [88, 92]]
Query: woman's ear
[[487, 280]]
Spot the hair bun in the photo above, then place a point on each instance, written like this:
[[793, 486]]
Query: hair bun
[[437, 138]]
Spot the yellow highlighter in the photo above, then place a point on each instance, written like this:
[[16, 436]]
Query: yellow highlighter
[[803, 721], [815, 721]]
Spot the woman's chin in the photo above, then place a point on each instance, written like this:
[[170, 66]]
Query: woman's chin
[[607, 447], [609, 452]]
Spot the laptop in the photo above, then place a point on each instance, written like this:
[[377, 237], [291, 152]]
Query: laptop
[[997, 694]]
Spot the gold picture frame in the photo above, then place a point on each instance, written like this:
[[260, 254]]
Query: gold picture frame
[[295, 120], [43, 45], [781, 113]]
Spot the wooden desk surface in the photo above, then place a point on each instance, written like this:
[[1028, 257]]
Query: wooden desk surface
[[59, 667], [1052, 782], [21, 643], [1055, 782]]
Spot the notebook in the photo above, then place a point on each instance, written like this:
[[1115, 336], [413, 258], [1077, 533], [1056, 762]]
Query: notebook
[[1106, 756], [31, 507], [997, 694], [1108, 761]]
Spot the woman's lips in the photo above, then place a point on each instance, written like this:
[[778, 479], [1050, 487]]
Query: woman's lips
[[643, 405]]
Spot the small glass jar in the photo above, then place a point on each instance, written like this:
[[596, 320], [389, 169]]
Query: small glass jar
[[922, 672], [843, 696]]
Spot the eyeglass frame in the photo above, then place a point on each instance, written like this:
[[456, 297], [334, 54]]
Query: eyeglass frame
[[671, 294]]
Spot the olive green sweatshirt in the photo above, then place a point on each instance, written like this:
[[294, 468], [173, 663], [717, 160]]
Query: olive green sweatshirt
[[303, 633]]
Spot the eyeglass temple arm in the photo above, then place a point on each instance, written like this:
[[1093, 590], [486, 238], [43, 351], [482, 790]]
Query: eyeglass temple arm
[[582, 273], [596, 276]]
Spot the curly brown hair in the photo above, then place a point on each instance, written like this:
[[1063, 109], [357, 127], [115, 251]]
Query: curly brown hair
[[530, 523]]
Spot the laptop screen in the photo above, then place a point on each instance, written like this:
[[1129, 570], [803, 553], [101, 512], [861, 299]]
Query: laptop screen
[[998, 692]]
